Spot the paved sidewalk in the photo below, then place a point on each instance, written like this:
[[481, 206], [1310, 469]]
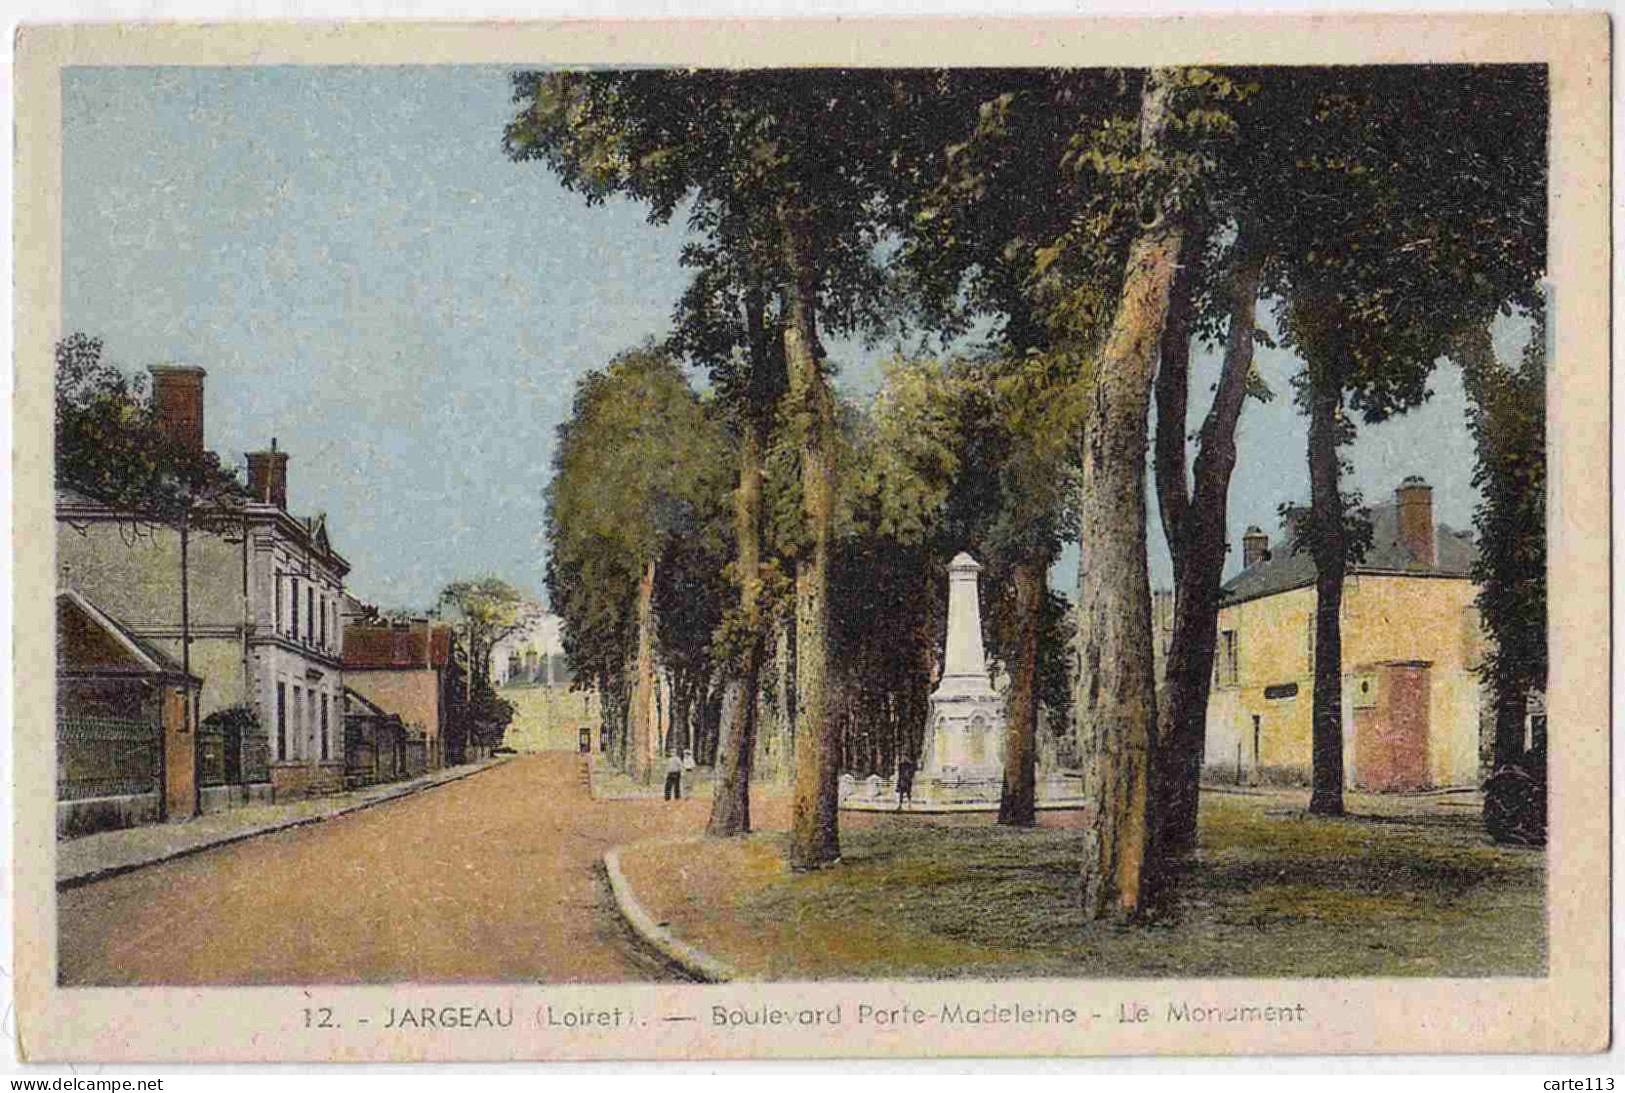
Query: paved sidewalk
[[109, 853]]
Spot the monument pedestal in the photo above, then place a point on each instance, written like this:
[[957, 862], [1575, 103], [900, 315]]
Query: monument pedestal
[[962, 762], [963, 757]]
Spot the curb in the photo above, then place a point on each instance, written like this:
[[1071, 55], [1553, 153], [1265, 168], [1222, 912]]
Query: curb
[[79, 880], [696, 962]]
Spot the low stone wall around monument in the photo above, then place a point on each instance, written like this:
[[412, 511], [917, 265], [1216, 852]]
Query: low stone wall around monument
[[1055, 790]]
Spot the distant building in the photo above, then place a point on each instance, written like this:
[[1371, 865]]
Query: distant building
[[533, 654], [1411, 644], [264, 599], [405, 668]]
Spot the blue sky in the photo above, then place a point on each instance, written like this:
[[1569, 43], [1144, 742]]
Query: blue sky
[[368, 279]]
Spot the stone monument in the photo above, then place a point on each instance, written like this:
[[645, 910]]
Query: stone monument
[[962, 761]]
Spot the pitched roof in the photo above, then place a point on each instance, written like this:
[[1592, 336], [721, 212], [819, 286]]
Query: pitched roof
[[365, 707], [1285, 570], [396, 647], [91, 640]]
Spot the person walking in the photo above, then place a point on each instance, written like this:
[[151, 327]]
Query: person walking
[[905, 781], [674, 777]]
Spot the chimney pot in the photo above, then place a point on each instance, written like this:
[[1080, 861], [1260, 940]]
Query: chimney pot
[[177, 399], [268, 476], [1414, 500], [1255, 546]]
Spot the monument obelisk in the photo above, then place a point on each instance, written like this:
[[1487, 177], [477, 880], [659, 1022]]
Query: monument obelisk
[[963, 756]]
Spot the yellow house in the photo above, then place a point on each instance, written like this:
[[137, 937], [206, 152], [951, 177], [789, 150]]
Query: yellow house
[[1412, 642]]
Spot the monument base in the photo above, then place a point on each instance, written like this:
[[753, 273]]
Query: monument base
[[1055, 791]]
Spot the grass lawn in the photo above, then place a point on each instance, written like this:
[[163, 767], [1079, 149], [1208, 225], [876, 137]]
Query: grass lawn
[[1404, 887]]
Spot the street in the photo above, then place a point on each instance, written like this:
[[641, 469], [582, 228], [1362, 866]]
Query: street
[[489, 879]]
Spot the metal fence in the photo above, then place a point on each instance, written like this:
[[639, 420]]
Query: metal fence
[[232, 755], [376, 749], [211, 755], [417, 755], [105, 757], [248, 758]]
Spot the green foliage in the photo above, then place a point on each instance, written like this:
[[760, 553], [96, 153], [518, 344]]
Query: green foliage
[[642, 471], [489, 609], [750, 151], [111, 448], [1419, 210], [1390, 207], [1507, 416], [1298, 526], [479, 719]]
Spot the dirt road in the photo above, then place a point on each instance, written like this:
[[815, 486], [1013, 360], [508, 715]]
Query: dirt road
[[490, 879]]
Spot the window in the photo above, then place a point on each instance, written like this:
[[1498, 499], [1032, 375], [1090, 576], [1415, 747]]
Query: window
[[276, 600], [298, 722], [281, 721], [323, 641], [324, 728], [1226, 669], [310, 615], [293, 582]]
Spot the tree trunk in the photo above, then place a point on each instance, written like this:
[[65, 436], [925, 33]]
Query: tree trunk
[[730, 803], [1197, 544], [1509, 730], [1018, 805], [625, 695], [1118, 714], [1330, 549], [678, 739], [643, 744], [814, 834], [785, 701]]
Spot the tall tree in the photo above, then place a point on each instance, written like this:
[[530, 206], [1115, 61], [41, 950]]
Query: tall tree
[[794, 146], [489, 610], [1507, 416], [973, 214], [1194, 508], [1389, 173], [635, 466], [1424, 199], [726, 323], [1116, 705]]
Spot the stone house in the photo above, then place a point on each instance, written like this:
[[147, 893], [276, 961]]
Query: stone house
[[405, 668], [1412, 642], [264, 599]]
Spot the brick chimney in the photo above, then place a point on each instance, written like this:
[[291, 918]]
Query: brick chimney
[[177, 398], [1255, 546], [1414, 499], [268, 476]]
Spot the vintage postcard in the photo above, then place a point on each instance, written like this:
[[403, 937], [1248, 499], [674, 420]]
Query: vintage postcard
[[812, 539]]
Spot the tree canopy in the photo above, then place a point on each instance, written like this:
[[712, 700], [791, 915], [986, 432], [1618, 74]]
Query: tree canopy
[[112, 447]]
